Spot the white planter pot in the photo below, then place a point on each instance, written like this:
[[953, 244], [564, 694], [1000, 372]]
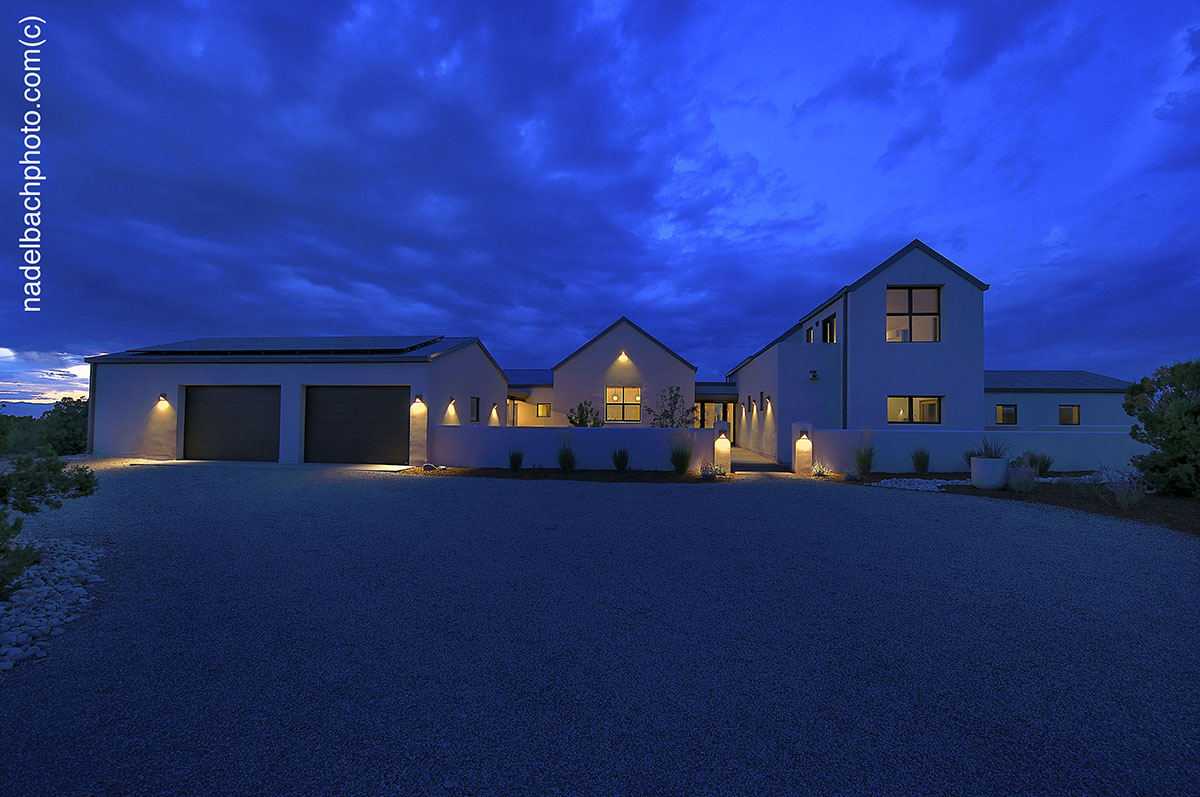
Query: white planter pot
[[988, 473]]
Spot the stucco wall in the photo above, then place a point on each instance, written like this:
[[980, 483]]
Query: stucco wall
[[1072, 450], [757, 426], [951, 367], [585, 376], [488, 447], [527, 410], [1036, 410], [460, 375]]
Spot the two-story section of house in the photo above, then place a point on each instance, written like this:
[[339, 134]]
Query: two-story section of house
[[902, 345]]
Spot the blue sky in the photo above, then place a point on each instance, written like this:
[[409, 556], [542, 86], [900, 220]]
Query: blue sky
[[529, 172]]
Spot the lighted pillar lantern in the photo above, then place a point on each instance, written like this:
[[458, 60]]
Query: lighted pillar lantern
[[802, 456], [721, 452]]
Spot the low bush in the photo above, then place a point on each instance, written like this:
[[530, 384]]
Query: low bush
[[620, 459], [1126, 487], [820, 470], [566, 454], [680, 451], [515, 458], [1022, 478], [1039, 462], [920, 460], [864, 458], [711, 471]]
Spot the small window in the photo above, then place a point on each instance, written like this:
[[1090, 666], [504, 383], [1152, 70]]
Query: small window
[[1006, 414], [808, 335], [829, 330], [623, 403], [475, 409], [914, 409], [913, 315], [1068, 414], [543, 410]]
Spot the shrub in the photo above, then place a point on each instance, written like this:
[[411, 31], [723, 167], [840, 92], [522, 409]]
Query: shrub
[[620, 459], [819, 469], [1166, 407], [920, 460], [988, 448], [680, 451], [566, 454], [864, 458], [584, 415], [30, 486], [711, 471], [1039, 462], [515, 458], [1022, 478], [64, 426], [670, 411], [1126, 487]]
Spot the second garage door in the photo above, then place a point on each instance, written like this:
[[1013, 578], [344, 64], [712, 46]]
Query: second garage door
[[231, 422], [356, 424]]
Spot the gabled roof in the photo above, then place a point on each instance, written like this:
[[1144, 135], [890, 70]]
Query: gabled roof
[[356, 348], [609, 328], [530, 377], [915, 243], [1051, 382]]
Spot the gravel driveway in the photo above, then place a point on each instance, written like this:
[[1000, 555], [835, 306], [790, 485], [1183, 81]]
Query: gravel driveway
[[291, 630]]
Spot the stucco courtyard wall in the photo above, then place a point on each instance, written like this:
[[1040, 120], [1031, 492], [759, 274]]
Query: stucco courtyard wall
[[1072, 450], [488, 447]]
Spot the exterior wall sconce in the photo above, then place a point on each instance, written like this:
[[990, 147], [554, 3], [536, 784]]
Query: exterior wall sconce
[[812, 375], [162, 397], [623, 357], [495, 405], [452, 399]]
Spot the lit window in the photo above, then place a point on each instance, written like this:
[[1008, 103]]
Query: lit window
[[475, 409], [829, 330], [913, 315], [808, 335], [1006, 414], [623, 403], [1068, 414], [543, 410], [914, 409]]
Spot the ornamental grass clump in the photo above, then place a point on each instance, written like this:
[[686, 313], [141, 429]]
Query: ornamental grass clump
[[680, 451], [920, 460], [864, 458], [515, 458], [566, 454], [620, 459], [711, 471], [820, 470], [988, 448], [1039, 462]]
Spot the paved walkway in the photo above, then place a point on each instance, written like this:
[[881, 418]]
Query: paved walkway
[[295, 630], [743, 459]]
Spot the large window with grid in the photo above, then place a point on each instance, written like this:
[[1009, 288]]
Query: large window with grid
[[623, 403], [914, 315]]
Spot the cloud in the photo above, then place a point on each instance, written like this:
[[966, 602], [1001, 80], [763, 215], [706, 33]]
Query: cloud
[[925, 128], [985, 30], [866, 80]]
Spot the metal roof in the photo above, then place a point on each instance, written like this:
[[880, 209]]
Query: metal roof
[[712, 390], [1051, 382], [530, 377]]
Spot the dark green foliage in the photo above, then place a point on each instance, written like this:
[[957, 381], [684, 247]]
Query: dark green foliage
[[584, 415], [670, 411], [1039, 462], [61, 429], [864, 458], [28, 487], [515, 458], [566, 454], [1166, 407], [920, 460], [680, 451], [620, 459]]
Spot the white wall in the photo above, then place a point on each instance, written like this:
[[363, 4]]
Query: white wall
[[1072, 450], [527, 410], [951, 367], [1036, 410], [488, 447], [585, 376], [756, 427], [460, 375]]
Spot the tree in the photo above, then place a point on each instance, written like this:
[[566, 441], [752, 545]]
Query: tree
[[28, 487], [584, 415], [1166, 406], [64, 426], [670, 411]]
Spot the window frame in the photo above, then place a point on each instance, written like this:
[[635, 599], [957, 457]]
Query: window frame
[[940, 410], [829, 329], [623, 404], [808, 335], [539, 412], [910, 314], [1000, 417], [1061, 407]]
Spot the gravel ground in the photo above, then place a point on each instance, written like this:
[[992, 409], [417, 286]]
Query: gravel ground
[[293, 630]]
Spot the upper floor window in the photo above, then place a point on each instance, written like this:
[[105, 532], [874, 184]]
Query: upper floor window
[[829, 330], [1068, 414], [1006, 414], [913, 315], [808, 335], [914, 409], [623, 403]]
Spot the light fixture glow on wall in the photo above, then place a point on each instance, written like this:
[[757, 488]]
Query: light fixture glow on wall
[[452, 399], [623, 357], [162, 397]]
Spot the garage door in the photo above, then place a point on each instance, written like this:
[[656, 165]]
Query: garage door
[[356, 424], [231, 422]]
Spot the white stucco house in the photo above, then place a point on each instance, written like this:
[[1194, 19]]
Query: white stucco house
[[897, 354]]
